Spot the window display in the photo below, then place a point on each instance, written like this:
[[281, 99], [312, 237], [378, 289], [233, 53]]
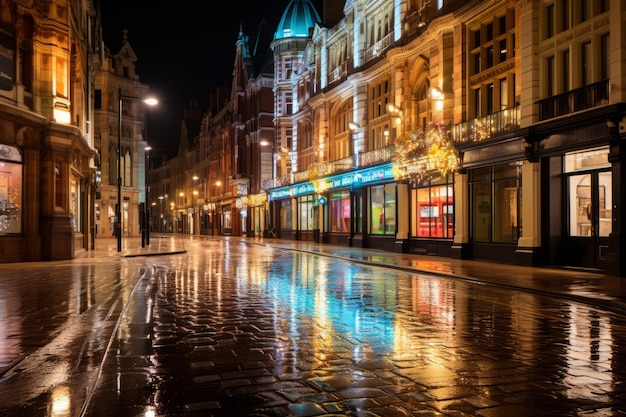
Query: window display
[[10, 190], [433, 211], [382, 219], [340, 212]]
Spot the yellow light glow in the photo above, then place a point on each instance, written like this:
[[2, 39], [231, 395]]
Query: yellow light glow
[[62, 116]]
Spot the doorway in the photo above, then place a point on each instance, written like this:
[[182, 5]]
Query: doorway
[[589, 213]]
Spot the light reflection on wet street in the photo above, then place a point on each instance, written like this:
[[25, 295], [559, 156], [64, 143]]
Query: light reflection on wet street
[[238, 329]]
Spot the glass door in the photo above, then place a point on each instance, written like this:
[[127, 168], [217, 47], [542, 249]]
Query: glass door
[[590, 214]]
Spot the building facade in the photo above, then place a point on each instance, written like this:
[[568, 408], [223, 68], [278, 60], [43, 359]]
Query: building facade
[[484, 130], [120, 139], [46, 149]]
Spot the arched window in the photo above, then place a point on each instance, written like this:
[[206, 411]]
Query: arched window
[[128, 179]]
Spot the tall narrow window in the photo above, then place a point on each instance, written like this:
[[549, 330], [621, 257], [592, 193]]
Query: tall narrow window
[[490, 98], [128, 179], [565, 83], [477, 103], [604, 57], [58, 185], [11, 187], [565, 15], [61, 77], [550, 91], [585, 60], [550, 21]]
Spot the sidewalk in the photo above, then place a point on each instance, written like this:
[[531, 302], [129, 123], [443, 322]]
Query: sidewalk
[[595, 289]]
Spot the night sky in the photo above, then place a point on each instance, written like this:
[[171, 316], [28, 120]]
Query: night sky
[[184, 54]]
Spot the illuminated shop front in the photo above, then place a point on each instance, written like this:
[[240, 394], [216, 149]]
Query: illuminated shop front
[[433, 209], [339, 211], [10, 190], [383, 209]]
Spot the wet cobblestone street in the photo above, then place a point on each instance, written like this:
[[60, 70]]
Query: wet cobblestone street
[[229, 327], [239, 330]]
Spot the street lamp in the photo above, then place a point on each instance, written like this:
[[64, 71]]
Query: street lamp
[[145, 224], [118, 214]]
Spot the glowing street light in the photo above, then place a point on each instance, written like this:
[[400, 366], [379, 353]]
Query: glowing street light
[[118, 214]]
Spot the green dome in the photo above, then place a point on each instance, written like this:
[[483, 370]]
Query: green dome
[[298, 18]]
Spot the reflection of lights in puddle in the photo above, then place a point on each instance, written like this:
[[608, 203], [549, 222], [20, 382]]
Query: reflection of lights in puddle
[[60, 401]]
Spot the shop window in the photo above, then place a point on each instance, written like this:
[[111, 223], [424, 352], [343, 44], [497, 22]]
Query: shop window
[[433, 211], [382, 220], [285, 214], [58, 185], [10, 190], [495, 196], [340, 212], [74, 204], [305, 209]]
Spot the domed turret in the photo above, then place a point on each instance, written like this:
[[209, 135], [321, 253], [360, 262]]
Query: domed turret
[[298, 18]]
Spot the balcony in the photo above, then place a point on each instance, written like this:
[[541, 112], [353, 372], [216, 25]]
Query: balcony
[[340, 71], [485, 128], [376, 156], [375, 50], [589, 96]]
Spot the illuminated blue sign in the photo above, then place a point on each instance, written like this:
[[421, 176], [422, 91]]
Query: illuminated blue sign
[[364, 176]]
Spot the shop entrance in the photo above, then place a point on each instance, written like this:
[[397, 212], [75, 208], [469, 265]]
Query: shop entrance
[[589, 210]]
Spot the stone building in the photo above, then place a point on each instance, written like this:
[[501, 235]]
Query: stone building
[[47, 155], [488, 130], [120, 138]]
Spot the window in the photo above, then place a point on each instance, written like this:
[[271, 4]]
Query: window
[[112, 165], [585, 60], [10, 190], [128, 163], [433, 210], [74, 203], [565, 74], [61, 77], [382, 219], [549, 21], [306, 212], [493, 42], [97, 98], [340, 212], [341, 146], [589, 184], [7, 44], [495, 198], [285, 214], [604, 57], [379, 133]]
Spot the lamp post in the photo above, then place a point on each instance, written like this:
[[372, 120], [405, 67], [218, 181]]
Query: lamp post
[[145, 224], [118, 211]]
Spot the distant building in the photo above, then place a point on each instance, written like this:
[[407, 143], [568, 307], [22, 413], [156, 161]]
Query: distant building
[[115, 79]]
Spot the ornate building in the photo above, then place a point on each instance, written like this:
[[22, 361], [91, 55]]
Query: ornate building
[[46, 150], [117, 88], [487, 130]]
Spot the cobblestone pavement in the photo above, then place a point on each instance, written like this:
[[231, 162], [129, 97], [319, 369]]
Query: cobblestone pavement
[[253, 327], [245, 330]]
